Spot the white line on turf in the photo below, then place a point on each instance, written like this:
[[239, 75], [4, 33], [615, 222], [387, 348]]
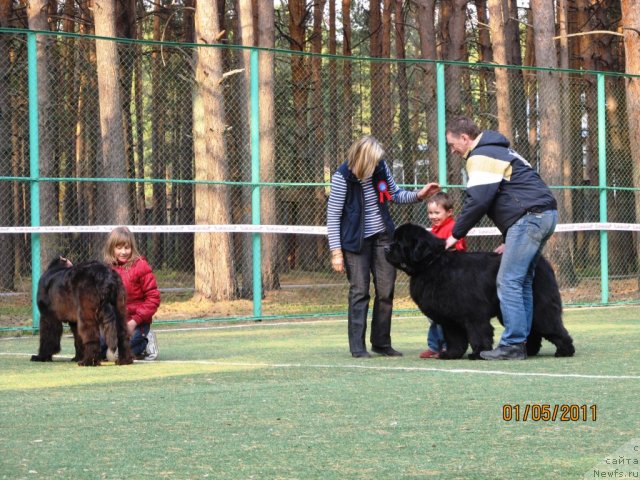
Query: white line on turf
[[375, 367]]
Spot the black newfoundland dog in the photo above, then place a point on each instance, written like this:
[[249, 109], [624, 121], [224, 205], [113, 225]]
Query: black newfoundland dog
[[91, 298], [458, 291]]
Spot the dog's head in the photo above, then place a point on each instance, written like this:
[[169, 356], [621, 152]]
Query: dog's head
[[413, 248]]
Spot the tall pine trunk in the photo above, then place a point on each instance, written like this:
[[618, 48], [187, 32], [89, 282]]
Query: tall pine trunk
[[213, 252], [551, 148], [37, 18], [114, 205], [6, 119], [631, 29], [266, 39]]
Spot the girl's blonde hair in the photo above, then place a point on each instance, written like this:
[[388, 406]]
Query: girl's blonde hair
[[120, 236], [363, 156]]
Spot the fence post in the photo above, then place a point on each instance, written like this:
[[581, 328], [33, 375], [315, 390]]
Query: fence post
[[602, 185], [34, 172], [255, 180], [442, 124]]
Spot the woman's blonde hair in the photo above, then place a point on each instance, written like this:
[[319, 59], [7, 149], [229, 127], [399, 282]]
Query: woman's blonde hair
[[120, 236], [363, 156]]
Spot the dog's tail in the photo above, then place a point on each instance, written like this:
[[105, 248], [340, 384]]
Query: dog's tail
[[110, 331]]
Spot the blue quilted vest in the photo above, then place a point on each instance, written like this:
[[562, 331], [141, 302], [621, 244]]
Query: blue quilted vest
[[352, 220]]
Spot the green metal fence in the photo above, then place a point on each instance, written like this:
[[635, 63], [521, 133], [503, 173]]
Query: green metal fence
[[51, 176]]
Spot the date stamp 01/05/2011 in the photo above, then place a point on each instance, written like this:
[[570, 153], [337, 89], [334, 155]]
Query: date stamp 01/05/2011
[[546, 412]]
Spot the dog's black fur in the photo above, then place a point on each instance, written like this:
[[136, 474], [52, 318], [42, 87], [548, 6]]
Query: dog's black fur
[[458, 291], [90, 297]]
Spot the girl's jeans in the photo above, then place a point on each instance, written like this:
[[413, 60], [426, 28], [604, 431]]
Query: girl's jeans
[[137, 342]]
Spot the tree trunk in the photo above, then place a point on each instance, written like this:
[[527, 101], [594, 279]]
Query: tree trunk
[[452, 28], [300, 77], [159, 117], [213, 253], [487, 88], [377, 73], [6, 119], [129, 54], [405, 141], [427, 33], [565, 97], [551, 153], [386, 100], [517, 91], [183, 258], [498, 18], [631, 30], [334, 107], [347, 96], [87, 133], [114, 207], [268, 208], [245, 28], [316, 244], [37, 17]]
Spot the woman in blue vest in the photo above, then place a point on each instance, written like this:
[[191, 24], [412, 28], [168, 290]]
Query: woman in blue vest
[[360, 228]]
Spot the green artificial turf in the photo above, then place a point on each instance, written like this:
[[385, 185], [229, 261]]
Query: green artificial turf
[[286, 401]]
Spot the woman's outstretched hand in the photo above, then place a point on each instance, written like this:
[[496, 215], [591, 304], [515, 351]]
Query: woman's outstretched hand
[[428, 190]]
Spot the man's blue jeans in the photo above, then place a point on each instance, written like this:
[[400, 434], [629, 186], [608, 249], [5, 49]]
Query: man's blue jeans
[[523, 246]]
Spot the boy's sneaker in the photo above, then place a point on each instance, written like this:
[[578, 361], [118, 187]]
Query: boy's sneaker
[[429, 354], [151, 350]]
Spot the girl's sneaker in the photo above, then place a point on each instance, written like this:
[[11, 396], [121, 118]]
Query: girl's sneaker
[[151, 350]]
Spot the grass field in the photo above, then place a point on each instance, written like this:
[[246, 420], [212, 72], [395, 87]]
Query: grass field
[[286, 401]]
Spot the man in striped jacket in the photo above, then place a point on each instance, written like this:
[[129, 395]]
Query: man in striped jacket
[[503, 186]]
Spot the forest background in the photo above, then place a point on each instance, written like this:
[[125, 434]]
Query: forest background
[[172, 119]]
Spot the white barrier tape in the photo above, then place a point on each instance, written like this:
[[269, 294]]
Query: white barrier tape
[[290, 229], [241, 228]]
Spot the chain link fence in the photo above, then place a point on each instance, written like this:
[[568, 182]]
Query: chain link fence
[[321, 104]]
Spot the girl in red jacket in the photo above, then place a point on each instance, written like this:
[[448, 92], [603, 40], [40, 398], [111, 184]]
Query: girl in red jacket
[[440, 210], [143, 296]]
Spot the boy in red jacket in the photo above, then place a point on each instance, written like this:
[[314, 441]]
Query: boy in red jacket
[[440, 210]]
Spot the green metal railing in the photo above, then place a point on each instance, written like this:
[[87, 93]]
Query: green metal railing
[[254, 182]]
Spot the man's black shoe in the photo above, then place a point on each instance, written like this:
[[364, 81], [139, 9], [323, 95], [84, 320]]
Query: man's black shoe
[[364, 354], [506, 352], [386, 351]]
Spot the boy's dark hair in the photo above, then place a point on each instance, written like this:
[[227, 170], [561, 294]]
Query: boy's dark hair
[[442, 199], [460, 125]]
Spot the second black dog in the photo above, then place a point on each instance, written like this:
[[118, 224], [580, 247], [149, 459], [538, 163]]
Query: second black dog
[[458, 291], [91, 298]]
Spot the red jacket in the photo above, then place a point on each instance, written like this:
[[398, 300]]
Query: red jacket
[[143, 296], [444, 231]]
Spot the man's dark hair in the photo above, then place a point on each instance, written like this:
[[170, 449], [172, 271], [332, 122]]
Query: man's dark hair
[[460, 125]]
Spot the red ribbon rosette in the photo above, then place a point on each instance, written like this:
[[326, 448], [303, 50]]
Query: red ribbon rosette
[[383, 191]]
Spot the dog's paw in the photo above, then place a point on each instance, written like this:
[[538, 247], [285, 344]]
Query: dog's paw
[[41, 358], [90, 362], [449, 355]]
